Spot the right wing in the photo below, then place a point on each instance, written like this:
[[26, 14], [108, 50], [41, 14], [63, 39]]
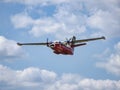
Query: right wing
[[86, 40]]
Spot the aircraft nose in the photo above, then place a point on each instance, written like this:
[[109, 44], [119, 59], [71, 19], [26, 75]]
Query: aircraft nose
[[52, 45]]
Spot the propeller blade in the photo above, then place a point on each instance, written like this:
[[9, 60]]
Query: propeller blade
[[47, 42]]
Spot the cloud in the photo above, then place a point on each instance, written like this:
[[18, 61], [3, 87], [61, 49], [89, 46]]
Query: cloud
[[106, 22], [62, 22], [9, 49], [71, 18], [112, 64], [58, 25], [27, 78], [21, 20], [41, 79]]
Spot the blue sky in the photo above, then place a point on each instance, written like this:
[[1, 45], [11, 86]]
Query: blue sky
[[95, 66]]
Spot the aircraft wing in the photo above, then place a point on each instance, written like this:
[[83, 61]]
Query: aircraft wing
[[20, 44], [86, 40]]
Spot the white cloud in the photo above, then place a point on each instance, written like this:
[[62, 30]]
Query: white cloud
[[27, 78], [104, 16], [9, 49], [63, 22], [91, 84], [44, 26], [106, 22], [58, 25], [39, 79], [113, 62], [71, 17], [22, 20]]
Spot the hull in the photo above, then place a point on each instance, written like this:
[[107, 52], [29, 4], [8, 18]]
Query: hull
[[62, 49]]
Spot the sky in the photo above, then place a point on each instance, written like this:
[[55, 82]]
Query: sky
[[95, 66]]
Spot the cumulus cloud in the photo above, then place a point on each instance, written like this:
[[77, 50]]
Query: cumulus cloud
[[9, 49], [27, 78], [104, 17], [105, 22], [41, 79], [21, 20], [112, 64], [50, 25], [72, 17]]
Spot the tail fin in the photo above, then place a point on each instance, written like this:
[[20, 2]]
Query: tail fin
[[73, 39]]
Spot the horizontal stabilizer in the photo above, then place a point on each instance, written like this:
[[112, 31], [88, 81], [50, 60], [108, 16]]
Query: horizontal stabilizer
[[79, 45]]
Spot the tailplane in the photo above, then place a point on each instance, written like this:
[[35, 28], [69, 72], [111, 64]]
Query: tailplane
[[76, 45]]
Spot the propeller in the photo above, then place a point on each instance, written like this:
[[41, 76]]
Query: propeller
[[47, 42], [68, 40], [71, 40]]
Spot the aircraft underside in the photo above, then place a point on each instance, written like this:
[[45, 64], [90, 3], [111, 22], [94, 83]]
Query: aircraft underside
[[61, 49]]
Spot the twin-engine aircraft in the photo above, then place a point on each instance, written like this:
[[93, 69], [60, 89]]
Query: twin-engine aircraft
[[65, 47]]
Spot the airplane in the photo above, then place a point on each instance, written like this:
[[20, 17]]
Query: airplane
[[65, 47]]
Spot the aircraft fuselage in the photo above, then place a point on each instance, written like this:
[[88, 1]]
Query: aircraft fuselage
[[59, 48]]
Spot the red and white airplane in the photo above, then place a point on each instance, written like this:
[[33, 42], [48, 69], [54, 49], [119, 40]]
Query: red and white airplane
[[65, 47]]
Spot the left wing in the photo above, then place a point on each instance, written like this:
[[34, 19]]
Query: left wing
[[20, 44], [86, 40]]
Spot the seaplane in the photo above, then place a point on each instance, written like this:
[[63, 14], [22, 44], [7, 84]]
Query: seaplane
[[64, 47]]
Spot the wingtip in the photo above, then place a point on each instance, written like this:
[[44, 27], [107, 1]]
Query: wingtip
[[103, 37], [19, 44]]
